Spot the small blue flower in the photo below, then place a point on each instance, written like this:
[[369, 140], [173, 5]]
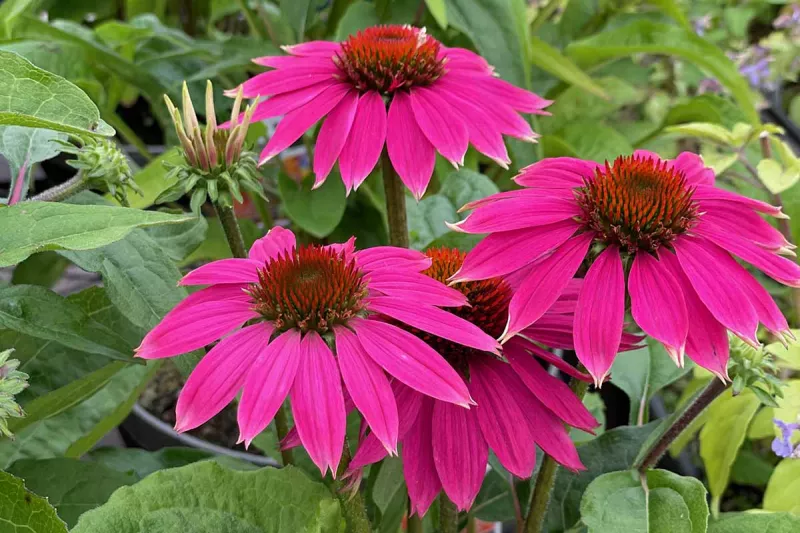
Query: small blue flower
[[782, 446]]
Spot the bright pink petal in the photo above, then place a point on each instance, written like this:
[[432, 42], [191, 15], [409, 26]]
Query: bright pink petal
[[557, 173], [484, 133], [709, 196], [549, 432], [600, 314], [318, 404], [291, 62], [552, 392], [411, 361], [502, 421], [369, 388], [657, 304], [494, 89], [411, 153], [419, 469], [551, 358], [768, 312], [546, 279], [381, 257], [716, 277], [518, 213], [234, 270], [749, 225], [364, 144], [416, 287], [434, 321], [283, 103], [314, 48], [463, 58], [219, 376], [459, 452], [293, 125], [517, 248], [441, 124], [693, 169], [281, 81], [277, 241], [332, 136]]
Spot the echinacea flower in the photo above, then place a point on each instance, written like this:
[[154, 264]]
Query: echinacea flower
[[316, 317], [439, 99], [782, 446], [660, 223], [519, 404]]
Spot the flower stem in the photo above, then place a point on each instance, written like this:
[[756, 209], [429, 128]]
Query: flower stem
[[448, 515], [72, 186], [689, 412], [395, 205], [353, 506], [414, 523], [540, 498], [236, 243]]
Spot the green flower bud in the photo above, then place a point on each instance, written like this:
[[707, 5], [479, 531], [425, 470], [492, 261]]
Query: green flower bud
[[104, 167], [755, 369], [12, 382]]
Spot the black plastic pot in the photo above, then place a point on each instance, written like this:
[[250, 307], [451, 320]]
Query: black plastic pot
[[777, 113], [143, 430]]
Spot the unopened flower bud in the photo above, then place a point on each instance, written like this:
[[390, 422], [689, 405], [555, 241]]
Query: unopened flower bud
[[104, 166], [12, 382]]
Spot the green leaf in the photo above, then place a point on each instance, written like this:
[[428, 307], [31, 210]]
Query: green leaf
[[438, 10], [751, 469], [389, 494], [177, 241], [23, 148], [789, 406], [24, 511], [151, 180], [783, 488], [645, 36], [143, 463], [719, 162], [723, 435], [31, 227], [587, 140], [316, 211], [43, 269], [228, 500], [755, 522], [464, 186], [36, 98], [704, 130], [575, 104], [426, 219], [359, 15], [613, 450], [551, 60], [705, 108], [776, 178], [297, 13], [642, 373], [71, 486]]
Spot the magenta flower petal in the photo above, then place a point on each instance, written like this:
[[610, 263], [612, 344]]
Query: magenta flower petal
[[484, 133], [274, 243], [600, 314], [710, 196], [693, 169], [318, 404], [239, 271], [502, 421], [765, 307], [544, 283], [283, 103], [412, 155], [410, 360], [308, 64], [419, 468], [333, 135], [416, 288], [314, 48], [556, 173], [380, 257], [657, 305], [369, 388], [518, 213], [364, 144], [267, 384], [219, 376], [441, 124], [435, 321], [749, 225], [278, 82], [459, 452], [549, 433]]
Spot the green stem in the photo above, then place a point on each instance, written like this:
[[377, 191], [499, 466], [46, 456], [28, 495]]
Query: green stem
[[448, 515], [395, 204], [540, 498], [353, 506], [72, 186], [263, 211], [282, 429], [414, 523], [472, 526], [252, 20]]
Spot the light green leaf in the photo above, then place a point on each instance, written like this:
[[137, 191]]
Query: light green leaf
[[704, 130], [359, 15], [762, 426], [31, 227], [783, 488], [705, 108], [265, 500], [297, 13], [22, 149], [151, 180], [575, 104], [438, 9], [719, 162], [776, 178], [755, 522], [723, 435], [24, 511], [71, 486], [587, 140], [35, 98], [788, 408], [316, 211], [551, 60]]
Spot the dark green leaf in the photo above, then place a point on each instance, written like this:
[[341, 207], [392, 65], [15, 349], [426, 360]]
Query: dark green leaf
[[21, 510], [359, 15], [23, 148], [177, 241], [316, 211], [143, 463], [297, 13], [42, 269]]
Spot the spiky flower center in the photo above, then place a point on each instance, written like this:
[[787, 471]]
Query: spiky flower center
[[388, 58], [637, 203], [488, 308], [310, 289]]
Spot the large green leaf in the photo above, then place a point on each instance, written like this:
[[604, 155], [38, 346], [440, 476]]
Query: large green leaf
[[178, 241], [755, 523], [23, 511], [44, 268], [551, 60], [645, 36], [71, 486], [783, 488], [226, 501], [316, 211], [143, 462], [31, 227], [35, 98]]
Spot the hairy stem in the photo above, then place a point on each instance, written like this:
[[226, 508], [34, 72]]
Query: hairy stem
[[72, 186], [395, 205], [353, 506], [448, 515], [690, 411], [540, 498]]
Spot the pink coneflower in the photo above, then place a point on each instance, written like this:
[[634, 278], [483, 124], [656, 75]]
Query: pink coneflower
[[440, 99], [664, 225], [519, 404], [312, 315]]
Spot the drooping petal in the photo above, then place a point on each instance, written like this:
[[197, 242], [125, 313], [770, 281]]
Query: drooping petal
[[332, 136], [600, 314], [708, 196], [502, 421], [441, 124], [551, 358], [546, 279], [233, 270], [318, 404], [749, 225], [435, 321], [549, 433], [277, 241], [657, 304], [460, 452], [392, 257], [369, 388], [484, 133], [411, 361], [219, 376], [419, 469], [364, 144], [768, 312], [416, 287], [411, 153], [267, 384]]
